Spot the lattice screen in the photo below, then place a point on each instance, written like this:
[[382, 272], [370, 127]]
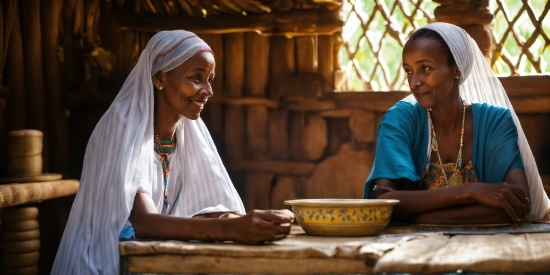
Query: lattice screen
[[375, 31], [522, 31]]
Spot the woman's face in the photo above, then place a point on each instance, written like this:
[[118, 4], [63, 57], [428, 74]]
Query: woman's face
[[431, 78], [186, 87]]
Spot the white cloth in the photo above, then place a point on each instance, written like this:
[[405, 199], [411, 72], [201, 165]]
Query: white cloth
[[479, 84], [120, 159]]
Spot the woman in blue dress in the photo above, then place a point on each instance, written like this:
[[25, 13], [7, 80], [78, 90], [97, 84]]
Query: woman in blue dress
[[454, 152]]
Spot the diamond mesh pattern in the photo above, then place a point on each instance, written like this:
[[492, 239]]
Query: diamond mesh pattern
[[373, 37], [521, 30], [376, 30]]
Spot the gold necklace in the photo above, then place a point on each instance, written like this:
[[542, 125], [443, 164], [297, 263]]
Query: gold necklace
[[454, 178]]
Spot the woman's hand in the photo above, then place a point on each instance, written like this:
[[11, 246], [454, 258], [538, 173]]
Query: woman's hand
[[259, 226], [511, 198]]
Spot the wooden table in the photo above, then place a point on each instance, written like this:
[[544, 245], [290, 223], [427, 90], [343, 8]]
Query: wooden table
[[395, 250]]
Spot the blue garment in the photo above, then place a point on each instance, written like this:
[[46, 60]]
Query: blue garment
[[403, 137]]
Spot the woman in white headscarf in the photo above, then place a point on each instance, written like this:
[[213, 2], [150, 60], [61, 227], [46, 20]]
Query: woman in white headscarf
[[457, 127], [151, 169]]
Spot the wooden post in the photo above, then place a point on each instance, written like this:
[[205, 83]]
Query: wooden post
[[256, 131], [278, 134], [57, 122], [7, 15], [234, 132], [285, 189], [297, 124], [326, 61], [258, 189], [213, 116], [281, 63], [234, 64], [306, 54], [15, 77], [256, 64], [315, 137], [32, 48]]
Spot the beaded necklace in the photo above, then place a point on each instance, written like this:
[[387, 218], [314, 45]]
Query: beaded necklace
[[455, 176], [164, 148]]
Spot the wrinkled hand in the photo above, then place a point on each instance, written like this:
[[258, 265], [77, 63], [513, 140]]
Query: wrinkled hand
[[503, 195], [259, 226]]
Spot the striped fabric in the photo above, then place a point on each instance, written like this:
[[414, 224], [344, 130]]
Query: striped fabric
[[120, 160]]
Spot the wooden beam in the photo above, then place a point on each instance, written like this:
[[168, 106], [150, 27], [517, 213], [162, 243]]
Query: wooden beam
[[529, 85], [531, 104], [370, 101], [308, 22]]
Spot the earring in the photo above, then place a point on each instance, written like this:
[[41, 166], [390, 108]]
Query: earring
[[161, 87], [457, 77]]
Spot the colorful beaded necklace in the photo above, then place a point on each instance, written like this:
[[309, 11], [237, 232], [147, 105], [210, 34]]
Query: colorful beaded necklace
[[164, 148], [455, 177]]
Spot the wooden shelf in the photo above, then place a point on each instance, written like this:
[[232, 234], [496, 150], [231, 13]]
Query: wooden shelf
[[32, 192]]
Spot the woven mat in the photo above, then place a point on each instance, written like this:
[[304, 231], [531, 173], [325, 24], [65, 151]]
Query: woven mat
[[484, 229], [489, 229]]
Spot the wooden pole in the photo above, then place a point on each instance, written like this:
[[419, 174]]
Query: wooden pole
[[57, 122], [326, 61], [72, 71], [15, 77], [256, 64], [281, 63], [32, 48], [306, 54], [7, 10], [234, 64], [256, 131], [234, 132], [278, 134]]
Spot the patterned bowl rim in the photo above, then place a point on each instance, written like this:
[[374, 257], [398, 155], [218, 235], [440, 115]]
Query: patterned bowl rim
[[340, 202]]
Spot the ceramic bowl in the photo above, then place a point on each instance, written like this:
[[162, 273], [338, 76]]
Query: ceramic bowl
[[342, 217]]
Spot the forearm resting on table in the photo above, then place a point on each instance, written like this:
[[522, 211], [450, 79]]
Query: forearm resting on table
[[420, 201], [148, 223], [153, 225], [463, 214], [508, 196]]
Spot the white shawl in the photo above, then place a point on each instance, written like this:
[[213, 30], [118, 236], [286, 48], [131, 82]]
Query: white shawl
[[120, 159]]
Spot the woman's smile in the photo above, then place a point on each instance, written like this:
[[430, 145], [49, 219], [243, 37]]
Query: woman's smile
[[199, 103], [419, 95]]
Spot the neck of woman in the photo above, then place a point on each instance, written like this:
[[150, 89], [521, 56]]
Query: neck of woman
[[448, 118], [165, 127]]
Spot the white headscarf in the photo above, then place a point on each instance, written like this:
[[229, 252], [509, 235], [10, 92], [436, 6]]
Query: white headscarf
[[120, 160], [479, 84]]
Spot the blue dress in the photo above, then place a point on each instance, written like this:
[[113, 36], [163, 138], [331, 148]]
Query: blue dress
[[403, 137]]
